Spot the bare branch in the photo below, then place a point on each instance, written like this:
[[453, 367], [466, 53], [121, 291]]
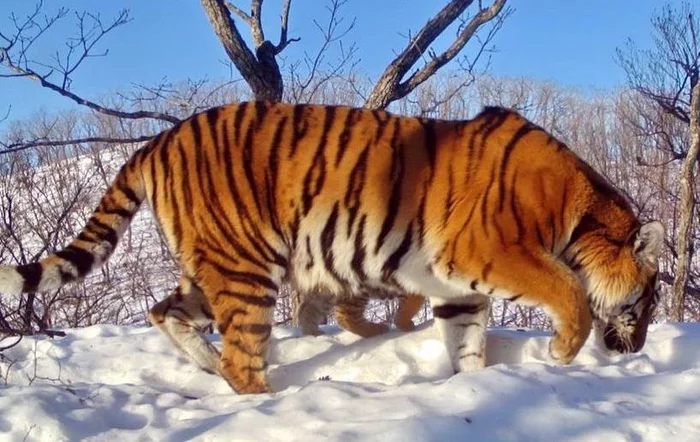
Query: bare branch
[[389, 87], [284, 41], [256, 23], [239, 12], [438, 61], [318, 72], [91, 31], [20, 146], [259, 70]]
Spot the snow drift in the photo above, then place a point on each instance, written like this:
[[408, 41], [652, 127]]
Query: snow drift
[[128, 383]]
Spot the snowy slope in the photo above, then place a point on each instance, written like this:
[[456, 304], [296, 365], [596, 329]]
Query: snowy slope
[[127, 383]]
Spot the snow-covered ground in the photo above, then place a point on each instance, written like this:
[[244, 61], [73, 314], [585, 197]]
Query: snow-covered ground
[[127, 383]]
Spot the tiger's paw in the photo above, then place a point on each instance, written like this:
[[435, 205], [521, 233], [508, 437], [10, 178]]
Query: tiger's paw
[[564, 350]]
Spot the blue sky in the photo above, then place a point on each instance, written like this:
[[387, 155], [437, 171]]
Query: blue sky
[[569, 42]]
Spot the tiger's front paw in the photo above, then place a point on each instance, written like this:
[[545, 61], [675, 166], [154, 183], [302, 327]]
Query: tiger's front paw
[[563, 349]]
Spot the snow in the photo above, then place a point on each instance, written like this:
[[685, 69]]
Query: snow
[[128, 383]]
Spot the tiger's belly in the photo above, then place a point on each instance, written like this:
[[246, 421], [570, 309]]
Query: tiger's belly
[[343, 266]]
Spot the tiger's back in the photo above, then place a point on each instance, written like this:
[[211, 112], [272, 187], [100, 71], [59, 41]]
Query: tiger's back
[[345, 200]]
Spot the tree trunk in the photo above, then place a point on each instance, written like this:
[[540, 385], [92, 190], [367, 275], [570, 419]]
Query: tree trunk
[[260, 70], [685, 212]]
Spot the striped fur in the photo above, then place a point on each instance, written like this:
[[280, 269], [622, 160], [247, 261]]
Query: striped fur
[[347, 200]]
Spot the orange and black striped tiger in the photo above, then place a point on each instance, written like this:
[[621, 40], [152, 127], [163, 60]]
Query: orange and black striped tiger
[[349, 311], [346, 200]]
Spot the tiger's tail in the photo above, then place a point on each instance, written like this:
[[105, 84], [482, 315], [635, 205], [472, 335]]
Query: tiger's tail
[[93, 246]]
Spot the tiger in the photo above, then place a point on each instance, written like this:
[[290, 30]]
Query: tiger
[[344, 200], [349, 312]]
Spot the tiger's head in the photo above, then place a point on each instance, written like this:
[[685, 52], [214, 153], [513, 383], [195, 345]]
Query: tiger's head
[[622, 285]]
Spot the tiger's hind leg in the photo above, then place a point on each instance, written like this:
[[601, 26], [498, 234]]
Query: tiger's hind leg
[[243, 301], [312, 310], [183, 317], [409, 306], [350, 314], [462, 323]]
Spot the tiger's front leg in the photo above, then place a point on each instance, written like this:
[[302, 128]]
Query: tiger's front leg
[[462, 323]]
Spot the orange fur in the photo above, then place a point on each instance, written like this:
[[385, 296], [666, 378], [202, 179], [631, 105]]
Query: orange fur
[[347, 200]]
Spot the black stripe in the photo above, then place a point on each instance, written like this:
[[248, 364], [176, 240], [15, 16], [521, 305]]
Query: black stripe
[[394, 260], [553, 227], [540, 237], [397, 173], [81, 259], [196, 131], [123, 213], [486, 271], [31, 274], [163, 158], [430, 142], [253, 279], [514, 208], [327, 236], [154, 183], [449, 311], [484, 200], [450, 200], [238, 121], [248, 163], [260, 108], [273, 166], [495, 120], [474, 354], [257, 300], [421, 214], [128, 193], [88, 235], [299, 128], [294, 226], [507, 151], [309, 253], [514, 298], [225, 255], [107, 232], [382, 120], [358, 257], [356, 184], [227, 318], [176, 216], [346, 134], [264, 330], [316, 175], [586, 224], [466, 325], [238, 345]]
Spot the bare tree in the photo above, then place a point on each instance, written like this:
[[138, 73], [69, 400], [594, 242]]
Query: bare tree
[[391, 86], [148, 109], [668, 75]]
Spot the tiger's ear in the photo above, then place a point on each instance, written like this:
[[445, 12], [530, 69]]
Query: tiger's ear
[[648, 243]]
